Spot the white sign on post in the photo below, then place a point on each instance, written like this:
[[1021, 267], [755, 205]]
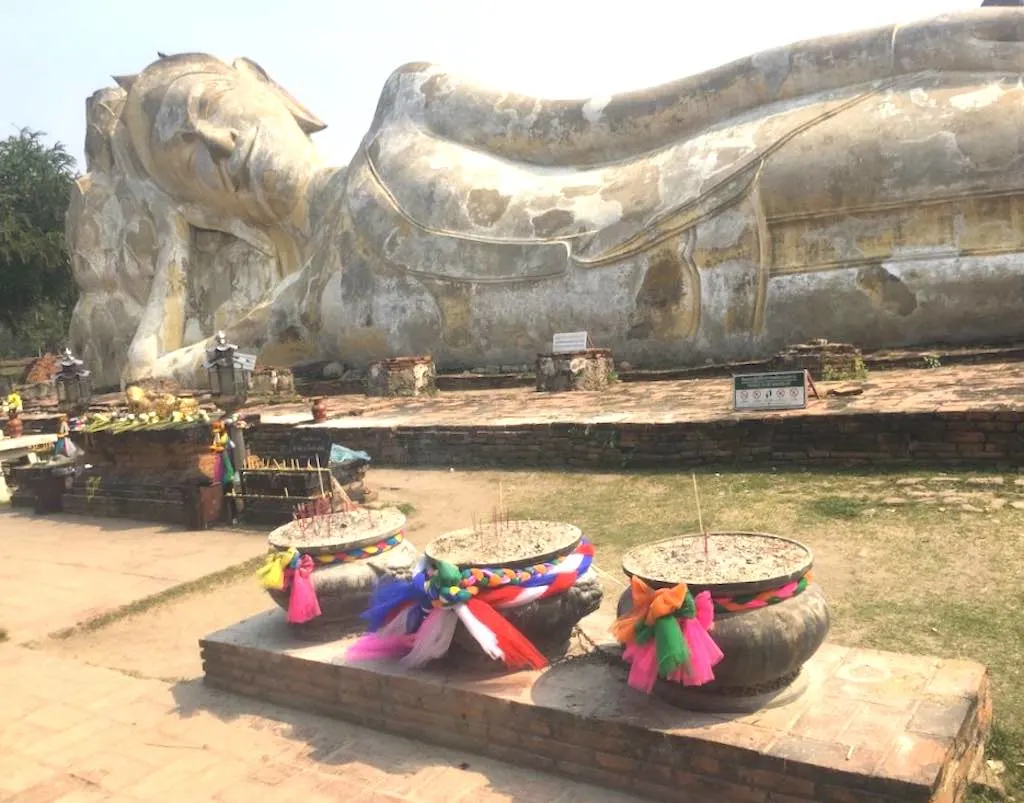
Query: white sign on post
[[247, 362], [568, 342]]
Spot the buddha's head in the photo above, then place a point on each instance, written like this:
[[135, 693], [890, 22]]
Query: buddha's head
[[223, 137]]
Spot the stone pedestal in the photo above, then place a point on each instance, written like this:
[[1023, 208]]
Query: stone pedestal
[[824, 360], [344, 587], [591, 369], [44, 484], [39, 392], [272, 382], [401, 376], [159, 473]]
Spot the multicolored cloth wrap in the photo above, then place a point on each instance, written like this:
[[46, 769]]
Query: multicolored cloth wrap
[[361, 553], [414, 621], [773, 596], [666, 635], [224, 469], [290, 569]]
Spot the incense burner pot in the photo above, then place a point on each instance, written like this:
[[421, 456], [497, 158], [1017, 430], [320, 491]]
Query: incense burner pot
[[352, 552], [15, 427], [319, 410], [507, 546], [770, 618]]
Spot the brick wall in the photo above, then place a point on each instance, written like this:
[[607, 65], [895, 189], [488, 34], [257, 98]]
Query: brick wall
[[129, 497], [993, 438]]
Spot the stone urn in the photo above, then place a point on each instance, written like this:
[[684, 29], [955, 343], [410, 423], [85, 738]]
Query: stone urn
[[319, 410], [353, 551], [526, 545], [15, 426], [769, 617]]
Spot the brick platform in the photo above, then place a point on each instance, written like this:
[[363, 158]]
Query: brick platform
[[969, 438], [968, 415], [873, 728]]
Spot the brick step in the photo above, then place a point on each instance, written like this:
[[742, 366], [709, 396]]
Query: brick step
[[143, 510]]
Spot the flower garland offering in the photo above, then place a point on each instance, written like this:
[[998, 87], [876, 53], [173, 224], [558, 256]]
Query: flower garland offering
[[414, 621], [148, 410], [13, 404], [291, 570], [666, 635]]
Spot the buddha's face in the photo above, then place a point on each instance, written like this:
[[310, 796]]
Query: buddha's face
[[226, 138]]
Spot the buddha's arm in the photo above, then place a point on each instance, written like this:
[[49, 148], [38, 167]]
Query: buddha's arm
[[162, 325], [586, 132]]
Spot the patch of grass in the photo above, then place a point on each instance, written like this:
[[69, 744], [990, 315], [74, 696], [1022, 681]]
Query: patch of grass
[[858, 370], [197, 586], [933, 576], [407, 508], [836, 507]]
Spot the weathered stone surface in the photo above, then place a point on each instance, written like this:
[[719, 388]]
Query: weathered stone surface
[[272, 382], [824, 360], [864, 187], [192, 212], [401, 376], [592, 369]]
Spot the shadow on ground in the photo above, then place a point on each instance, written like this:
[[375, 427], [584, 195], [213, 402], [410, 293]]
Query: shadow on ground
[[372, 757]]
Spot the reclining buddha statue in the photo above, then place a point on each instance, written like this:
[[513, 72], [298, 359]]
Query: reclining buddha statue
[[866, 187]]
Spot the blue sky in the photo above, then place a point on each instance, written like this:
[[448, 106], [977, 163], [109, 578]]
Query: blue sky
[[335, 56]]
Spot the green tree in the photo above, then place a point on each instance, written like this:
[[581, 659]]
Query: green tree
[[37, 291]]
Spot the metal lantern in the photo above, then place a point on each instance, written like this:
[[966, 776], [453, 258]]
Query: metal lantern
[[230, 372], [74, 383]]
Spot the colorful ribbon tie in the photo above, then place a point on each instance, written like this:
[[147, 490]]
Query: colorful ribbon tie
[[291, 570], [415, 620], [272, 573], [748, 602], [666, 635]]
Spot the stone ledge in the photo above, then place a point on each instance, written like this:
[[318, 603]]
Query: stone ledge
[[967, 437], [873, 728]]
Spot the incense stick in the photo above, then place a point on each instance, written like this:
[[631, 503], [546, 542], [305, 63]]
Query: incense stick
[[700, 518]]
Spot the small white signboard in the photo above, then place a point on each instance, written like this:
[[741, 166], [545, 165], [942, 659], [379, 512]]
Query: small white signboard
[[247, 362], [781, 390], [568, 342]]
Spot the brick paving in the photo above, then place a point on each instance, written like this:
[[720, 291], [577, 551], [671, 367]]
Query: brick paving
[[73, 732], [96, 565]]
